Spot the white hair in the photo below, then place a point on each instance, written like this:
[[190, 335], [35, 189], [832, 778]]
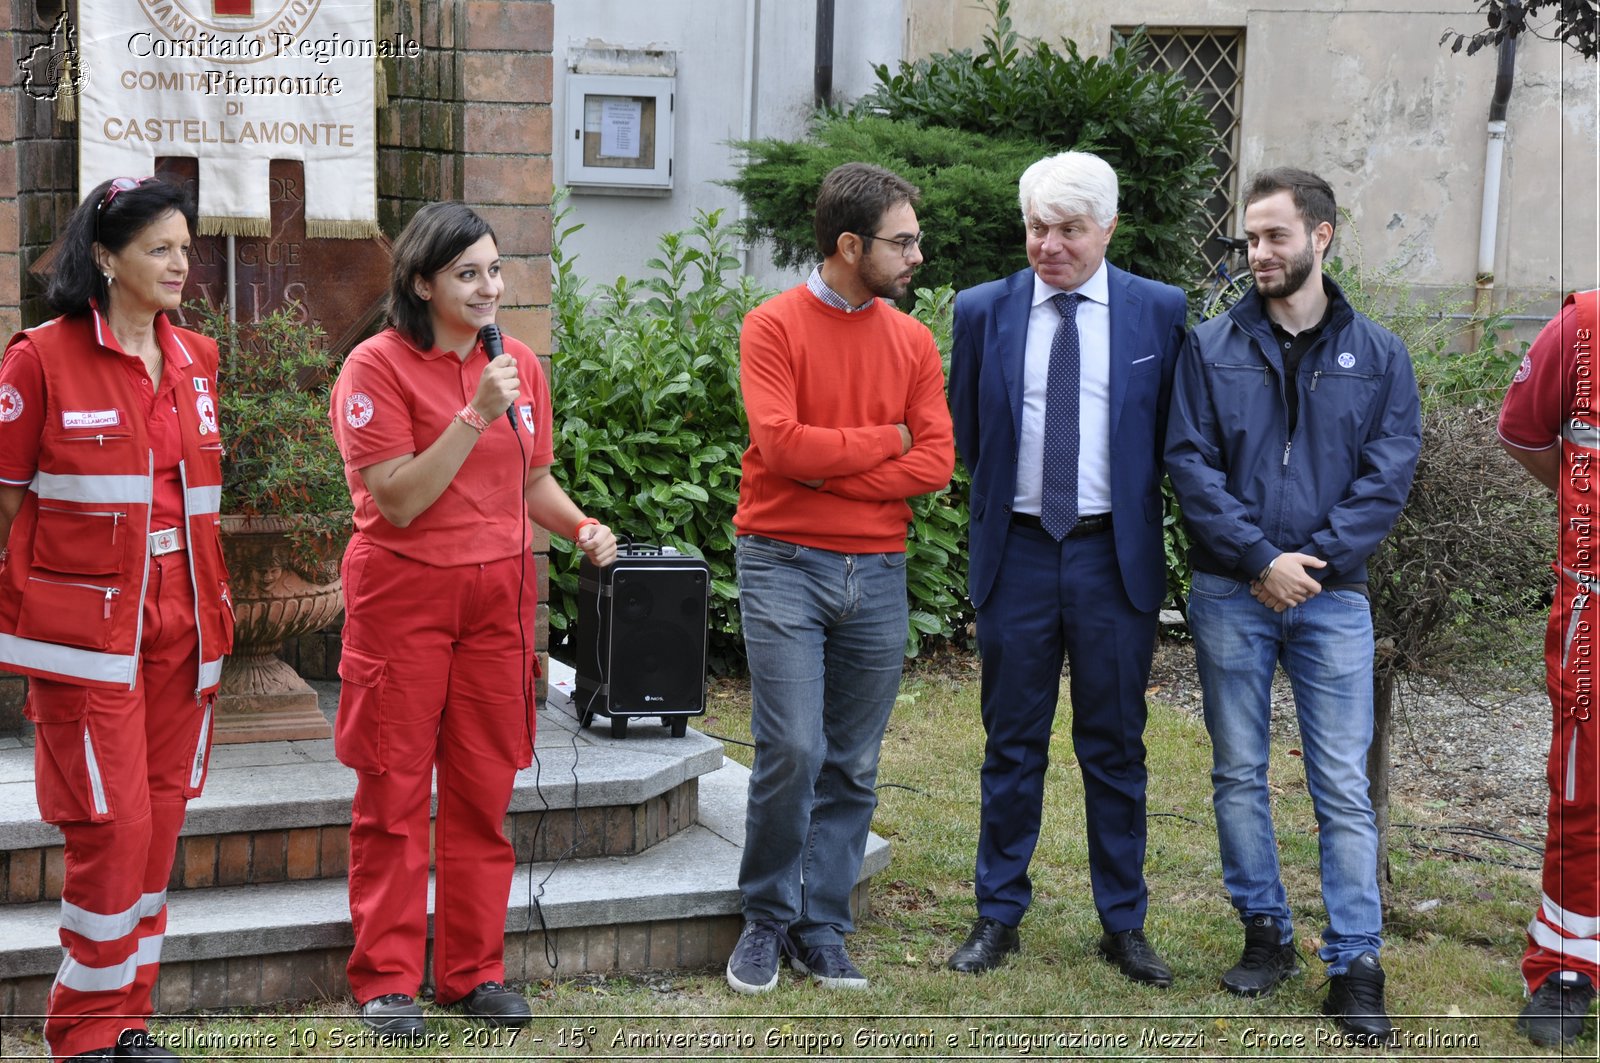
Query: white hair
[[1073, 182]]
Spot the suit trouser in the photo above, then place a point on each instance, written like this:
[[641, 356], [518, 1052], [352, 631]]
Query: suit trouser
[[1052, 600], [1564, 934], [436, 688], [114, 769]]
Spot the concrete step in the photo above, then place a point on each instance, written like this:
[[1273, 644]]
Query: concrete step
[[280, 811], [675, 905]]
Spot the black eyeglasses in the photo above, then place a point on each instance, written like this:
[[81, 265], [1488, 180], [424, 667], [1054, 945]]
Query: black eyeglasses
[[118, 184], [906, 244]]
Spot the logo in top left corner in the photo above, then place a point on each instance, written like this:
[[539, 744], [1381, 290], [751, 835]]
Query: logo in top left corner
[[55, 68]]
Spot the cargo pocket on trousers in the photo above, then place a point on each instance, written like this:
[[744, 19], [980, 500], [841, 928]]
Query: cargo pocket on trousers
[[358, 739], [67, 779]]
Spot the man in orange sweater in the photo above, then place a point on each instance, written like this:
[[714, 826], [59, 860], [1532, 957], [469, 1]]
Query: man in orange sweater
[[845, 399]]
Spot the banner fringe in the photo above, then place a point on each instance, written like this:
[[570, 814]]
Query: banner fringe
[[340, 229], [67, 92], [218, 225]]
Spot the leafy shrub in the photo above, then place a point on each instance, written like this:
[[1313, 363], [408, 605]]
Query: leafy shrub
[[272, 395], [651, 428], [648, 413], [936, 542], [968, 182], [977, 121]]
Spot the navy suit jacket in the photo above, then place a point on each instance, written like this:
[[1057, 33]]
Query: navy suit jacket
[[1148, 321]]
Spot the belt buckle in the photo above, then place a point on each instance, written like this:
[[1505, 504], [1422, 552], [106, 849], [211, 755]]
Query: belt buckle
[[164, 541]]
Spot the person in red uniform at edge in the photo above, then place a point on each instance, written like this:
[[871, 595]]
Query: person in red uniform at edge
[[1550, 423], [438, 661], [113, 592]]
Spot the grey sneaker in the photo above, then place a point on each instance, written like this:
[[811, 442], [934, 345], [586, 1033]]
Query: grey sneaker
[[394, 1014], [753, 967], [830, 965]]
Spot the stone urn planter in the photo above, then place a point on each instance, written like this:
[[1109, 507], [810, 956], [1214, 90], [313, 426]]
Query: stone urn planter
[[276, 596]]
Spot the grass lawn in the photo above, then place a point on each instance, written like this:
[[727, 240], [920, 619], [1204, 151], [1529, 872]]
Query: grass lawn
[[1454, 937]]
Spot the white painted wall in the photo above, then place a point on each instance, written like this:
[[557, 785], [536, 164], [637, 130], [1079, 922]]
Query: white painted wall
[[1363, 94], [709, 38]]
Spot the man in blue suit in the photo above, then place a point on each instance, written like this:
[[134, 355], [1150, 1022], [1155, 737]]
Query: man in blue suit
[[1059, 381]]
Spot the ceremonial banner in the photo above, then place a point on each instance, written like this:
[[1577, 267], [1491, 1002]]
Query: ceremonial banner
[[236, 84]]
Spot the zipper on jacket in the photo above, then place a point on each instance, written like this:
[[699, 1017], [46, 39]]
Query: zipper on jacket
[[1314, 378], [110, 592], [99, 437], [1287, 446], [117, 516]]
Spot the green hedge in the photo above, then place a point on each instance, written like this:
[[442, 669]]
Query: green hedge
[[963, 126]]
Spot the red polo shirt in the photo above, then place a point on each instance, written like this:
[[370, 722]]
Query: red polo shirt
[[392, 399], [22, 410]]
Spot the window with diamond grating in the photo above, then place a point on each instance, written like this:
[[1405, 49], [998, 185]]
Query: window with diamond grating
[[1211, 61]]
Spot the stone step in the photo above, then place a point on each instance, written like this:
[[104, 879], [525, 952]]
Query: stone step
[[675, 905], [280, 811]]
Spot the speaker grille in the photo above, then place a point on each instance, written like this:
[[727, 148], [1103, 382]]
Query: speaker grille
[[647, 639]]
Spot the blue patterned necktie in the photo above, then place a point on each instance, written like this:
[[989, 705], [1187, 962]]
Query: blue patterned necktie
[[1059, 497]]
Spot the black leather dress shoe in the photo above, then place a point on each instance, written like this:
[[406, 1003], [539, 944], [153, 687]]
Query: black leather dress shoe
[[990, 942], [1130, 953]]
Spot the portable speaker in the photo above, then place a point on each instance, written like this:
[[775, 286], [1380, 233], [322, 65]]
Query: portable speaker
[[640, 644]]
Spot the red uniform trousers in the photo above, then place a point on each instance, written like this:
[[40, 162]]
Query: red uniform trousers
[[1564, 934], [435, 680], [114, 770]]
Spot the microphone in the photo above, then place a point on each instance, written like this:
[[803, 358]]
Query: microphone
[[489, 336]]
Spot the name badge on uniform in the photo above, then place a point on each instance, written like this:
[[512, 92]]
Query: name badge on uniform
[[90, 418]]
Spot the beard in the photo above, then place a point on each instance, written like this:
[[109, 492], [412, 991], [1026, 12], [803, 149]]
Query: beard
[[1295, 272], [891, 284]]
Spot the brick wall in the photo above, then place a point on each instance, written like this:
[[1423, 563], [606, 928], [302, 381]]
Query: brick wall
[[469, 120], [38, 189]]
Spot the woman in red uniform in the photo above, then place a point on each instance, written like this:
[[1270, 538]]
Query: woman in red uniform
[[113, 593], [447, 451]]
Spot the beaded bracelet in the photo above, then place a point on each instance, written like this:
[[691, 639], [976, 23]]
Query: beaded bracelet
[[470, 417]]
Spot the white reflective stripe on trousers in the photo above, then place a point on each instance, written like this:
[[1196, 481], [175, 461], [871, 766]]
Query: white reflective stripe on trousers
[[1582, 926], [85, 979], [98, 927]]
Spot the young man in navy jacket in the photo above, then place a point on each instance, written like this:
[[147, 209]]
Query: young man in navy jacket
[[1293, 436]]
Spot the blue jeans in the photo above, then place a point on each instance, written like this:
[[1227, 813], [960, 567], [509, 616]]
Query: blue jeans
[[825, 634], [1325, 646]]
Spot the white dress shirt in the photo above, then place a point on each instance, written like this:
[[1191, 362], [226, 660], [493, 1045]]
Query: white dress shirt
[[1094, 395]]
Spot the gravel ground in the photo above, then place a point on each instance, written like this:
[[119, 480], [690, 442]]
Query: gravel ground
[[1477, 764]]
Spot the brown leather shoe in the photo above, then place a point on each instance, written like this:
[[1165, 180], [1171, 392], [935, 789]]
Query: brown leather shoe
[[989, 943], [1130, 953]]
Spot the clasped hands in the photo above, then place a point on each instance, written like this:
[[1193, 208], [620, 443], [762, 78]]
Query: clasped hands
[[1288, 581]]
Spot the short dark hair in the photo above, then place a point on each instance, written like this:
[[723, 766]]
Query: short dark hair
[[75, 277], [853, 198], [433, 238], [1313, 197]]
